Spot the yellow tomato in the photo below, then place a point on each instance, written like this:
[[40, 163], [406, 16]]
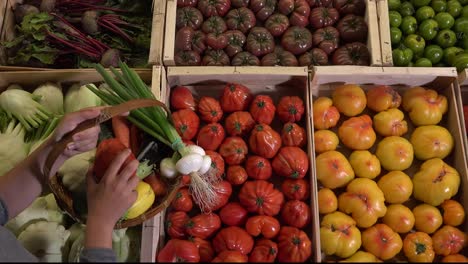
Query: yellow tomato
[[417, 247], [382, 241], [396, 186], [362, 257], [339, 235], [427, 218], [399, 218]]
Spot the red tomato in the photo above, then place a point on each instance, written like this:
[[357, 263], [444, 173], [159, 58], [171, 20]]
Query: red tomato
[[263, 109], [239, 123], [264, 251], [264, 141], [229, 256], [209, 109], [211, 136], [223, 191], [217, 162], [203, 225], [235, 97], [258, 168], [261, 197], [175, 224], [182, 98], [233, 214], [293, 135], [295, 213], [177, 250], [295, 189], [293, 245], [233, 150], [183, 200], [205, 249], [291, 162], [233, 238], [188, 142], [186, 122], [290, 109], [265, 225], [236, 175]]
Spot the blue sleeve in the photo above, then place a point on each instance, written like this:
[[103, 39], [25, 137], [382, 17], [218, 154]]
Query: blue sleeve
[[98, 255], [3, 213]]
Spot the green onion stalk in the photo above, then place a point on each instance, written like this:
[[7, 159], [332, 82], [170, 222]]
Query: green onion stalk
[[126, 85]]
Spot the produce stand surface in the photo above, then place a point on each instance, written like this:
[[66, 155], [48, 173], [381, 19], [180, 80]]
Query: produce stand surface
[[324, 80]]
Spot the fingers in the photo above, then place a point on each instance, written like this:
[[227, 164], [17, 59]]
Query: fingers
[[90, 133], [114, 167], [90, 180], [72, 120], [129, 170], [133, 182]]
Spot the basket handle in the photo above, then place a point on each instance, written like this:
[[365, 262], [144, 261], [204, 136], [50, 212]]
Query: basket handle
[[106, 114]]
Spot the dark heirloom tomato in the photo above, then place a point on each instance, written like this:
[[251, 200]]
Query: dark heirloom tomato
[[291, 162], [279, 57], [245, 58], [263, 8], [175, 224], [214, 7], [277, 24], [215, 58], [293, 135], [235, 40], [203, 225], [293, 245], [223, 191], [199, 41], [354, 53], [205, 249], [352, 28], [233, 238], [258, 168], [264, 225], [211, 136], [209, 109], [326, 39], [188, 17], [182, 3], [290, 109], [235, 97], [297, 10], [233, 214], [178, 250], [297, 40], [296, 213], [323, 17], [261, 197], [239, 123], [236, 175], [264, 251], [286, 7], [314, 57], [233, 150], [214, 24], [216, 41], [264, 141], [183, 39], [183, 200], [217, 163], [357, 7], [187, 58], [260, 41], [186, 122], [263, 109], [242, 19], [230, 256], [295, 189], [240, 3], [319, 3]]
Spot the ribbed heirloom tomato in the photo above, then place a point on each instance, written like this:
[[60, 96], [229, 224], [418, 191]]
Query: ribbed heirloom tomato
[[233, 238], [293, 135], [239, 123], [264, 225], [211, 136], [230, 256], [233, 214], [290, 109], [209, 109], [236, 175], [175, 224], [293, 245], [261, 197], [233, 150], [264, 251], [295, 189], [235, 97], [291, 162], [186, 122], [223, 191], [295, 213], [217, 163], [214, 7], [203, 225], [264, 141], [205, 249], [183, 200], [182, 98], [177, 250], [258, 168]]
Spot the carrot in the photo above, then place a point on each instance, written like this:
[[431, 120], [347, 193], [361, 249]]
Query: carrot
[[159, 186], [121, 130], [134, 139]]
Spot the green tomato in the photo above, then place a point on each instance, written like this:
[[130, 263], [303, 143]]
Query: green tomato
[[428, 29], [454, 8], [463, 42], [419, 3], [424, 13], [450, 54], [465, 11], [446, 38], [463, 2], [417, 56], [395, 18], [406, 9], [423, 62], [409, 25], [395, 35], [402, 56], [440, 64], [439, 5], [461, 61], [461, 27], [445, 20], [394, 4], [434, 53], [415, 42]]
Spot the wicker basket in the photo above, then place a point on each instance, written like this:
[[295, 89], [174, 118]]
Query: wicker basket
[[64, 196]]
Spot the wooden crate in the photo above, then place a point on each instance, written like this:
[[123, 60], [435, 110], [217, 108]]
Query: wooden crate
[[210, 81], [462, 97], [325, 79], [373, 40], [7, 32], [384, 32]]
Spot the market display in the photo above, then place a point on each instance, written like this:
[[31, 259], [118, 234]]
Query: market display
[[427, 33], [271, 32], [389, 186], [76, 34]]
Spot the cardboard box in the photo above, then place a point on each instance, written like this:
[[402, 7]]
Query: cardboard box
[[373, 39], [324, 80]]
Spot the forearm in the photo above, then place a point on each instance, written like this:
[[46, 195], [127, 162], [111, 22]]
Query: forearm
[[98, 234]]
